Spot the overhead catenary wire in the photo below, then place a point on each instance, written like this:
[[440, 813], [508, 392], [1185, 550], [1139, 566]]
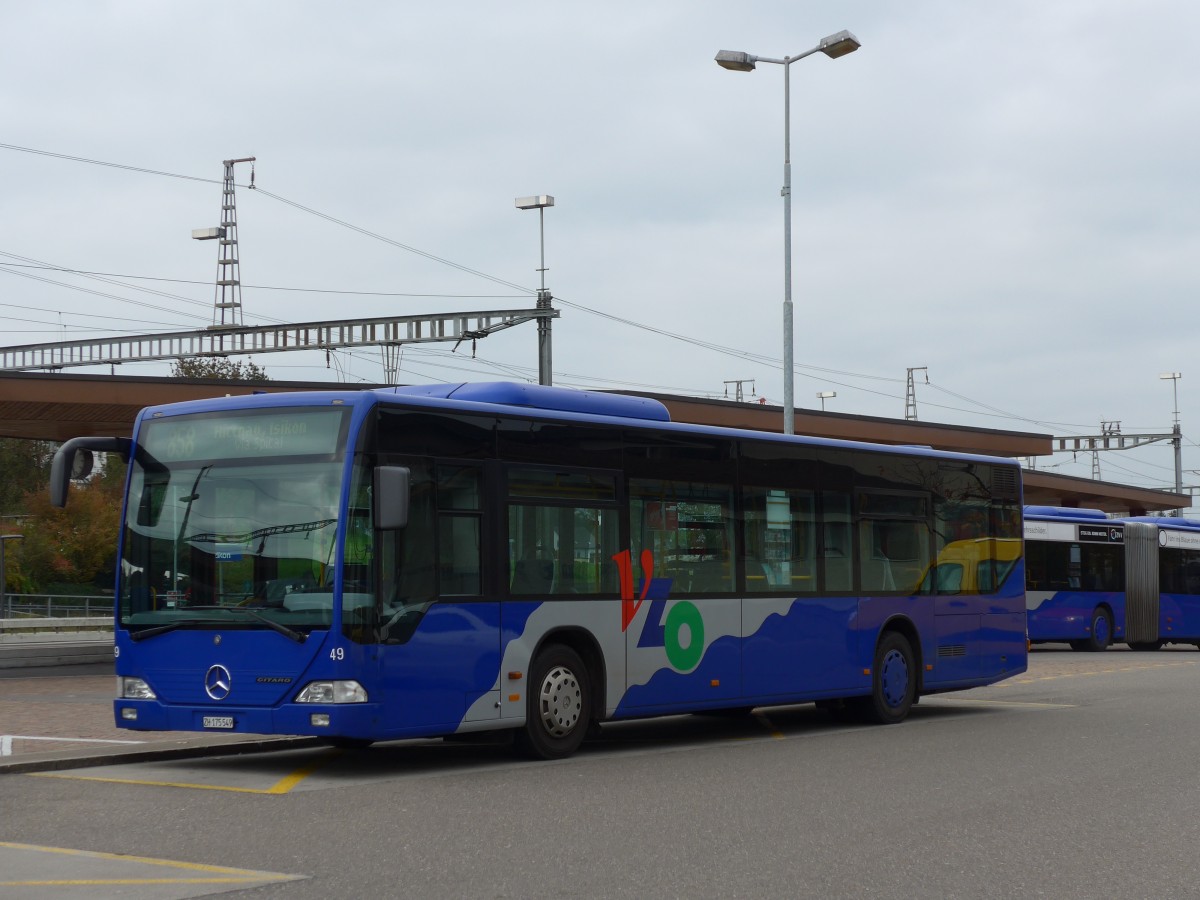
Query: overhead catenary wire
[[97, 293], [260, 191], [804, 371], [267, 287]]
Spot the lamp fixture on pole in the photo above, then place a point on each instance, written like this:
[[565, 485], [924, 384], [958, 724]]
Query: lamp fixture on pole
[[1173, 377], [833, 46], [1176, 432], [545, 356]]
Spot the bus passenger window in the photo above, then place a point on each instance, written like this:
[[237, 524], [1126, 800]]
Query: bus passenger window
[[780, 541], [949, 578], [893, 540], [532, 576], [562, 532], [460, 528], [689, 529], [408, 554], [836, 546], [459, 541]]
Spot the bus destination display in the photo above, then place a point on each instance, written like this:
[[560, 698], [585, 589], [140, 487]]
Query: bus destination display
[[299, 432]]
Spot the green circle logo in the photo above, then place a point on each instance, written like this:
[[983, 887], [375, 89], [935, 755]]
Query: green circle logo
[[684, 615]]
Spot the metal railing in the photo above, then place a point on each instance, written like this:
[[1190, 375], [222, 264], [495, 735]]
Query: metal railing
[[50, 606]]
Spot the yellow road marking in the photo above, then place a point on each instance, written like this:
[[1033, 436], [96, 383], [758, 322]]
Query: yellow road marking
[[770, 726], [217, 874], [283, 786], [288, 782], [1027, 679]]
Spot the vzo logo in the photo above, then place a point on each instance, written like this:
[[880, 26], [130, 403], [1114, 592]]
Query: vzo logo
[[681, 633]]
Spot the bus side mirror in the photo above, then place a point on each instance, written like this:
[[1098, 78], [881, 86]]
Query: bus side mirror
[[391, 497], [75, 459]]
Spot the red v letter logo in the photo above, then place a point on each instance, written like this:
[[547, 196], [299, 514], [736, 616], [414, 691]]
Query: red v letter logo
[[630, 606]]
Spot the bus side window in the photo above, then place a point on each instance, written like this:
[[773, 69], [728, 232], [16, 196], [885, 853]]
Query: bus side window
[[407, 561], [532, 576], [836, 547], [562, 531], [688, 526], [1075, 570], [950, 577], [875, 564], [1035, 566], [460, 530], [780, 540]]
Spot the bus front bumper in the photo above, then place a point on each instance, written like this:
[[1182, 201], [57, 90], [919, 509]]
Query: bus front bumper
[[334, 720]]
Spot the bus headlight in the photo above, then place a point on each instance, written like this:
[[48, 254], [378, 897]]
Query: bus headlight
[[134, 689], [332, 692]]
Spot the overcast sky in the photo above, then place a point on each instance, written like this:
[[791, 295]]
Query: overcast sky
[[1002, 193]]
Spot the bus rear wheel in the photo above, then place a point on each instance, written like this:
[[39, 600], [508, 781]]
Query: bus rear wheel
[[893, 682], [1145, 646], [1101, 633], [558, 706]]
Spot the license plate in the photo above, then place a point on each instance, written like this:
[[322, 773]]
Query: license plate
[[217, 722]]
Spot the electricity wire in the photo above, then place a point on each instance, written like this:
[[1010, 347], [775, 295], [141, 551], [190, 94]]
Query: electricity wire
[[801, 370]]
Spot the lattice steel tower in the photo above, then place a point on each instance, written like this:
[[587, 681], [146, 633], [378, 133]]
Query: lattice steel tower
[[910, 394], [227, 301]]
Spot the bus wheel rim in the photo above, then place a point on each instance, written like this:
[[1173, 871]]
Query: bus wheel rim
[[561, 701], [1100, 629], [893, 678]]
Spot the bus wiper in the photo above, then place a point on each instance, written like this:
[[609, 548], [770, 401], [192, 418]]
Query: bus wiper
[[296, 636], [170, 626]]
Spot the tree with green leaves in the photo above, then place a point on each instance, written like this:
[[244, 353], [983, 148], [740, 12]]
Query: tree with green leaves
[[73, 546], [218, 367], [76, 545]]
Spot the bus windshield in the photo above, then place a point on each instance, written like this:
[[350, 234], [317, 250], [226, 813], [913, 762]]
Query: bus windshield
[[231, 520]]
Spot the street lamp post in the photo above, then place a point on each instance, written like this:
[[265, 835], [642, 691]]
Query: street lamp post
[[1176, 433], [738, 61], [3, 586], [825, 395], [545, 356]]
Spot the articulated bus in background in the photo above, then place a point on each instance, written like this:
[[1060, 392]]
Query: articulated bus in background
[[436, 560], [1074, 576], [1091, 580]]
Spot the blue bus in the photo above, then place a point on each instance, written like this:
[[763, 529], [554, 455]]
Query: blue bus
[[445, 559], [1092, 581]]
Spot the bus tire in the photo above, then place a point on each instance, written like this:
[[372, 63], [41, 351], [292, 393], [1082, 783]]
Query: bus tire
[[1101, 632], [893, 682], [1145, 646], [558, 705]]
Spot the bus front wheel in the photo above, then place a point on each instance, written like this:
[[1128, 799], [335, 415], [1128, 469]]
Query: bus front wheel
[[558, 706], [893, 682]]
